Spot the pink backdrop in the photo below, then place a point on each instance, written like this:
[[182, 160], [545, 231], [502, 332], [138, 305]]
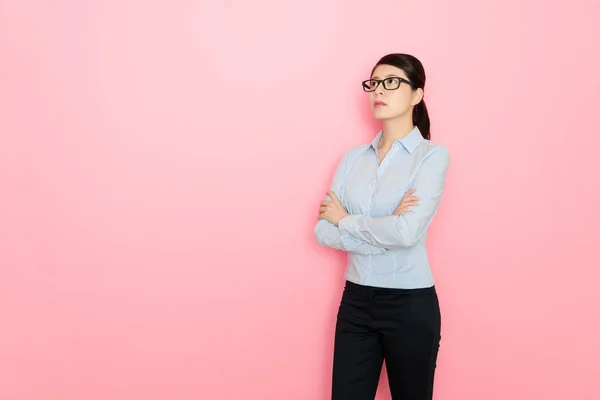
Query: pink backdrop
[[161, 166]]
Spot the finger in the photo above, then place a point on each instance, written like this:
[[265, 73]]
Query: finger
[[408, 194], [322, 209], [402, 206], [333, 197], [325, 203], [405, 205], [409, 203], [401, 210], [410, 199]]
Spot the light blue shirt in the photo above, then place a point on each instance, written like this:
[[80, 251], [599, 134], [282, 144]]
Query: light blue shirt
[[385, 250]]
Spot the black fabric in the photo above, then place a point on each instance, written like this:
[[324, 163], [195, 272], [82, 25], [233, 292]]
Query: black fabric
[[400, 326]]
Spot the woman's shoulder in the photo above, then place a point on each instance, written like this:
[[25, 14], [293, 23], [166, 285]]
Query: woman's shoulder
[[356, 150], [434, 153], [430, 147], [353, 152]]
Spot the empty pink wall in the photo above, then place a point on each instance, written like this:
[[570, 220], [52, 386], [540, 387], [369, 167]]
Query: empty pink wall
[[161, 165]]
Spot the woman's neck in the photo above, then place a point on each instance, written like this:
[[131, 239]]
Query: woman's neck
[[394, 130]]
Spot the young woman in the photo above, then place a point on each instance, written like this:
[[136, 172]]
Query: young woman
[[382, 200]]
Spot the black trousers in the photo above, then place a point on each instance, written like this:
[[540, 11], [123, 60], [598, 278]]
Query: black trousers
[[400, 326]]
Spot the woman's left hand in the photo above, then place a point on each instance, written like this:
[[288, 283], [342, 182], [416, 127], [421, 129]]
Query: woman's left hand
[[332, 211]]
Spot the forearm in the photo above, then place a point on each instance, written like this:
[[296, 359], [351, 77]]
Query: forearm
[[408, 228], [392, 231], [329, 235]]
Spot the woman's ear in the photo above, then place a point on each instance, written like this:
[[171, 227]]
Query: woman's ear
[[417, 96]]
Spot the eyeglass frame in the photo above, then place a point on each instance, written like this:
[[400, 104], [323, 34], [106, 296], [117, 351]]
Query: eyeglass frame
[[382, 81]]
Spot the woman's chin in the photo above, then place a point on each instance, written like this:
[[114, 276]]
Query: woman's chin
[[381, 115]]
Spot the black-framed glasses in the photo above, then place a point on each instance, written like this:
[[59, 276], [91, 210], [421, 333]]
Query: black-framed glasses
[[391, 83]]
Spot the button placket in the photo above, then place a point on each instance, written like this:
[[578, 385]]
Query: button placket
[[372, 189], [379, 172]]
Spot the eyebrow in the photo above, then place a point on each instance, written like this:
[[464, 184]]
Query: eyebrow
[[388, 76]]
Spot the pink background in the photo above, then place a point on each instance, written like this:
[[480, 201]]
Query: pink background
[[161, 166]]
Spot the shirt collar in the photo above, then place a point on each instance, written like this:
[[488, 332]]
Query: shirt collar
[[410, 141]]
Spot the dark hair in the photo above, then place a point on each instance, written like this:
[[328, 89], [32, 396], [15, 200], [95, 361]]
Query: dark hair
[[415, 73]]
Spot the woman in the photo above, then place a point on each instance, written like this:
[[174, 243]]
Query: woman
[[383, 198]]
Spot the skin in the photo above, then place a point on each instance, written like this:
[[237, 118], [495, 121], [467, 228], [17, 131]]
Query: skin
[[396, 118]]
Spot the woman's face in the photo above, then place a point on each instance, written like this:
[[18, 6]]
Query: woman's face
[[392, 103]]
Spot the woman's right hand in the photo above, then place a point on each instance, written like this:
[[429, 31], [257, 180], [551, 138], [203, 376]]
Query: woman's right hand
[[407, 202]]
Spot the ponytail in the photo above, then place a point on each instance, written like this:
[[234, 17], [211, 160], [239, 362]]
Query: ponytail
[[421, 119]]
